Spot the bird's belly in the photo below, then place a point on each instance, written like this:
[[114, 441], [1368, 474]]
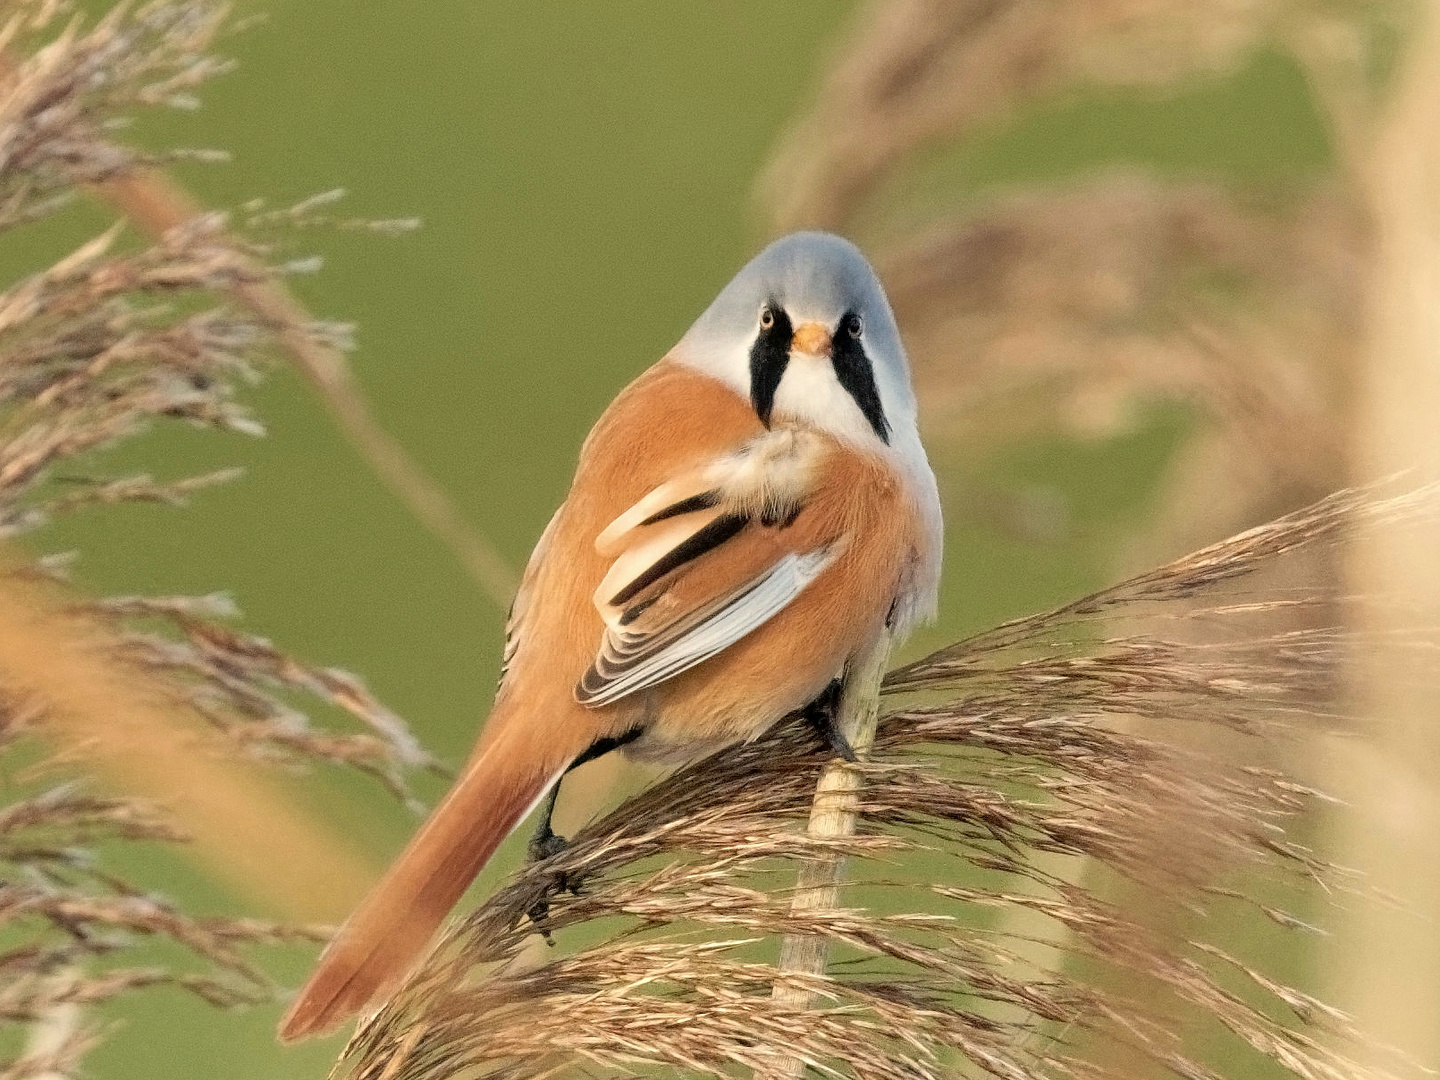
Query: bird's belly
[[681, 728], [737, 696]]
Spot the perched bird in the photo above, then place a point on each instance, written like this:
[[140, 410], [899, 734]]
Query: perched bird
[[746, 517]]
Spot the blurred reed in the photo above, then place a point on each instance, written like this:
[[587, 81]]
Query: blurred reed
[[1072, 304], [1389, 973], [154, 701]]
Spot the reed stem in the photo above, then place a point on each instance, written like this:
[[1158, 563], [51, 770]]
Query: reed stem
[[832, 814]]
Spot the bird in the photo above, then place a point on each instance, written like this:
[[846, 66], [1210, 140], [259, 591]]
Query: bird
[[746, 518]]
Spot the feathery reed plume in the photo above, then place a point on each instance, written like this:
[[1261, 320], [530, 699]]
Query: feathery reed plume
[[157, 204], [1088, 294], [913, 73], [1073, 303], [154, 695], [1076, 308], [989, 753], [142, 726], [57, 101], [71, 925]]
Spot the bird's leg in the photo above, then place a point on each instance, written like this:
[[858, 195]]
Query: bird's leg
[[546, 843], [542, 845], [822, 714]]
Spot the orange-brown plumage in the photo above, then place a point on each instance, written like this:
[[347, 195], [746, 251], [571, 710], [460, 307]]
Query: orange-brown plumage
[[388, 932], [841, 516]]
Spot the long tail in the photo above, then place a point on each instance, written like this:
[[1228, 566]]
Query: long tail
[[386, 934]]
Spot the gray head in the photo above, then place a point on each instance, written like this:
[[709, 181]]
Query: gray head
[[804, 330]]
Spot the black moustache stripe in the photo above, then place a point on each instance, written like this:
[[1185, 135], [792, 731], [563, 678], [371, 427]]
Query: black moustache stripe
[[768, 357], [857, 378]]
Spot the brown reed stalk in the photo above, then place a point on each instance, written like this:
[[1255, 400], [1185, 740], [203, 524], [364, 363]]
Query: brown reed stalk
[[156, 203], [989, 755]]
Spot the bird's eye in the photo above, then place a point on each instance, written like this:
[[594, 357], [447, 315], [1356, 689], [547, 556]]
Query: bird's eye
[[767, 317], [854, 325]]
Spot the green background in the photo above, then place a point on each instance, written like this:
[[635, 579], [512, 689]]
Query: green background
[[584, 176]]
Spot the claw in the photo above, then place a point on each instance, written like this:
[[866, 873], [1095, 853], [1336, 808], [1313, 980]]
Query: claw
[[821, 715], [840, 744], [543, 845], [538, 913]]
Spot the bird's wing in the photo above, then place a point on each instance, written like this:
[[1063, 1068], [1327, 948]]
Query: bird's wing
[[520, 605], [702, 561]]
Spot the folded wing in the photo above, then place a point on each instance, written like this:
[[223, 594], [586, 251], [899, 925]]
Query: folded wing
[[701, 561]]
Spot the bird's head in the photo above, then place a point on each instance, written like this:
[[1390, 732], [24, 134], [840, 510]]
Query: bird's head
[[804, 330]]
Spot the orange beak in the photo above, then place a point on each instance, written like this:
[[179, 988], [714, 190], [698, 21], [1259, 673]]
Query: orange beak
[[812, 339]]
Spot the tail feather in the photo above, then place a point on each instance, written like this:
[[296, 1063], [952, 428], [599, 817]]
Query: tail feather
[[383, 938]]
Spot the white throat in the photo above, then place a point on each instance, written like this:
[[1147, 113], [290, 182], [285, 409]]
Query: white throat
[[810, 392]]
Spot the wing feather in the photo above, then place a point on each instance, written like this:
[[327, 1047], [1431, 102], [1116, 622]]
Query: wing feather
[[689, 493], [520, 605], [700, 562], [628, 663], [651, 556]]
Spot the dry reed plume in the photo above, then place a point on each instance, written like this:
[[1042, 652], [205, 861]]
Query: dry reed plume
[[1079, 301], [154, 696], [62, 99], [989, 754]]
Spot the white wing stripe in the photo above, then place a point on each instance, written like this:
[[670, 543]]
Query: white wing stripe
[[753, 607]]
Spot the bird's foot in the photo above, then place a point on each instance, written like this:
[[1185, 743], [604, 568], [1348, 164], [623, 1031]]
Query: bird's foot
[[545, 844], [822, 714], [537, 913], [542, 846]]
